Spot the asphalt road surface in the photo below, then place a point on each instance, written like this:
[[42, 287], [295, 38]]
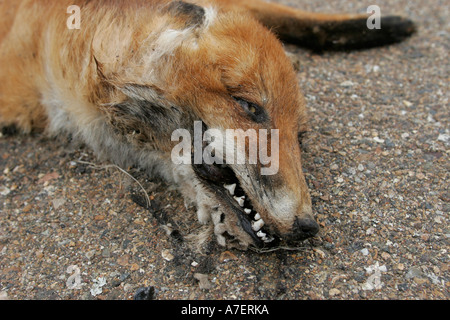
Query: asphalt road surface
[[376, 162]]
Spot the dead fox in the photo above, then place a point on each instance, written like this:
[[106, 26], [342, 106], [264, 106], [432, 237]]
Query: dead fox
[[138, 70]]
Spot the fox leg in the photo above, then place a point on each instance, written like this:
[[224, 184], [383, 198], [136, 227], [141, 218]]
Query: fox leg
[[320, 31], [19, 73], [19, 103]]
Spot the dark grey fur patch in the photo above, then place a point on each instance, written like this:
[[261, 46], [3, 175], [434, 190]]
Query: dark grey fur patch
[[194, 14], [144, 122], [144, 112]]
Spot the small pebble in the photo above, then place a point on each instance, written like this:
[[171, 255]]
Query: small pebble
[[227, 256], [347, 84], [334, 292], [147, 293], [167, 255]]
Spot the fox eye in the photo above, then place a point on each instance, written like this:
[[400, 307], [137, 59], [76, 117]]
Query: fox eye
[[256, 113]]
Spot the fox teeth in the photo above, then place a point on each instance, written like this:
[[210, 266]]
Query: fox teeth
[[257, 225], [230, 188], [261, 234], [247, 211], [240, 200], [265, 237], [257, 216]]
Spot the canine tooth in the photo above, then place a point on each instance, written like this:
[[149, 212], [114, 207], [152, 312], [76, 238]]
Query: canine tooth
[[257, 216], [247, 211], [257, 225], [267, 240], [261, 234], [240, 200], [230, 188]]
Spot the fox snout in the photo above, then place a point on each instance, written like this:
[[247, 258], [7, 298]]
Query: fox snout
[[303, 228], [290, 217], [291, 225], [287, 199]]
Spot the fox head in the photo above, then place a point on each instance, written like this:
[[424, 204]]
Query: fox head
[[226, 71]]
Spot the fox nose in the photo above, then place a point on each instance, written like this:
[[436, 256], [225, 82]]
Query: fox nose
[[305, 227]]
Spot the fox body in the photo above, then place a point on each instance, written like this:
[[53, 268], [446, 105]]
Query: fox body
[[138, 70]]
